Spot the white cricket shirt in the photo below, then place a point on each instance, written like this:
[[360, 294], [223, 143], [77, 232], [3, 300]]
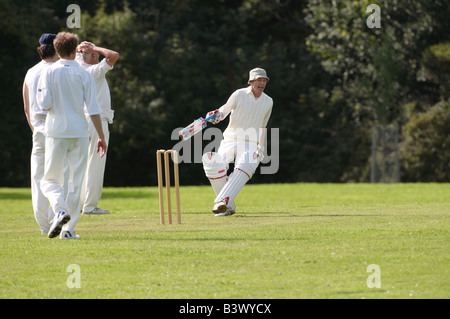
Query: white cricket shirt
[[248, 114], [31, 80], [99, 71], [63, 89]]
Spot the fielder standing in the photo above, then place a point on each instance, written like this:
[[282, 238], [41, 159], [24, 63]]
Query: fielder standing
[[36, 120], [243, 142], [63, 90], [88, 57]]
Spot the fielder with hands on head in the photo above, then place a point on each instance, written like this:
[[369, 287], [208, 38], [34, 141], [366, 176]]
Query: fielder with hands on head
[[63, 90], [243, 142], [36, 120], [88, 57]]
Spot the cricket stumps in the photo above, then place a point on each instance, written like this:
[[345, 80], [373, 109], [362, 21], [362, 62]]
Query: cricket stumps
[[166, 154]]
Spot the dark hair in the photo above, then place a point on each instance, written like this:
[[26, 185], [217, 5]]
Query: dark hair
[[65, 43], [46, 51]]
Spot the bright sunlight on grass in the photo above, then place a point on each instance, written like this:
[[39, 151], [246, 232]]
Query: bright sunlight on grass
[[285, 241]]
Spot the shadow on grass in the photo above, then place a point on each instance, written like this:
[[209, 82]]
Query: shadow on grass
[[274, 215], [154, 236], [15, 195], [128, 194], [339, 215], [357, 292]]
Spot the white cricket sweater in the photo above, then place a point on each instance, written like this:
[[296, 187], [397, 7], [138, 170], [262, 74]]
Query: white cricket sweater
[[63, 89], [99, 71], [248, 114], [31, 80]]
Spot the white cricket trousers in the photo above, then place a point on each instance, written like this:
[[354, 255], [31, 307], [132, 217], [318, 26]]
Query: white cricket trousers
[[245, 164], [52, 185], [92, 188], [37, 163]]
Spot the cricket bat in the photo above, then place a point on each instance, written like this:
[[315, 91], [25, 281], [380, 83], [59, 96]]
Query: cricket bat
[[194, 127]]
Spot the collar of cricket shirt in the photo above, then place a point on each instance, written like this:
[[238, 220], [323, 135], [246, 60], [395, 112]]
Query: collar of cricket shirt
[[249, 91], [68, 62]]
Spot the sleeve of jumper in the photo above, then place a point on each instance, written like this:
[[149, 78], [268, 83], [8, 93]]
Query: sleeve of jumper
[[100, 69], [266, 118], [44, 94], [230, 105], [79, 58], [90, 96]]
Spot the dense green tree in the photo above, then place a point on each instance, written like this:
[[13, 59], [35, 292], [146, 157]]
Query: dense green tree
[[376, 70], [425, 152], [425, 146], [332, 78], [20, 28]]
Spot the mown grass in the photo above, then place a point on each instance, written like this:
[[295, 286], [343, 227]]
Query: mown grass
[[286, 241]]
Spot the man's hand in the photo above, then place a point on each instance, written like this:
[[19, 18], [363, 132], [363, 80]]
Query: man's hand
[[101, 142], [101, 145], [85, 46], [216, 119], [259, 152]]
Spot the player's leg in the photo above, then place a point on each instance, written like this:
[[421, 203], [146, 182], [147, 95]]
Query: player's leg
[[245, 167], [39, 201], [216, 167], [77, 157], [93, 181], [67, 185], [215, 170], [53, 181]]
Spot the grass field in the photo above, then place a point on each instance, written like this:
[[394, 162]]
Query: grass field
[[286, 241]]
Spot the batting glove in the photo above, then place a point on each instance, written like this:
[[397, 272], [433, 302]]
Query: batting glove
[[259, 152], [216, 119]]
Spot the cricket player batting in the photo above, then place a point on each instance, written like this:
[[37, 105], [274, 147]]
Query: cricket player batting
[[249, 109]]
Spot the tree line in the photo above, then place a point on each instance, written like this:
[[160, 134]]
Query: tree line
[[333, 78]]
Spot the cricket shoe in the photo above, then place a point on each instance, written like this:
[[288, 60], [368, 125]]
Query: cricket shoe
[[227, 213], [96, 211], [68, 235], [220, 207], [61, 219]]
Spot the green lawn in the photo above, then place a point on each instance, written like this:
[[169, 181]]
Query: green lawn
[[285, 241]]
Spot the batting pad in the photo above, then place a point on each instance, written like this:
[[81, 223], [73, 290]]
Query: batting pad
[[232, 188], [214, 166]]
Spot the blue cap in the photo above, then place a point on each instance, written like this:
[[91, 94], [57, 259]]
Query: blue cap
[[47, 38]]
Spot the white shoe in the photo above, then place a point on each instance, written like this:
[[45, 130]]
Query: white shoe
[[219, 208], [97, 211], [61, 219], [68, 235], [227, 213]]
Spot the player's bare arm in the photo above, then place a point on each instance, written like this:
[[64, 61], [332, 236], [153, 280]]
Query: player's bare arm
[[26, 104], [101, 143], [88, 47]]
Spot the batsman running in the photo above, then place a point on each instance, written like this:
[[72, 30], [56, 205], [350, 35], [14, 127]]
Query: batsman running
[[243, 141]]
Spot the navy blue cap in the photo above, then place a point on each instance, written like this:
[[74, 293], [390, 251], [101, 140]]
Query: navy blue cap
[[47, 38]]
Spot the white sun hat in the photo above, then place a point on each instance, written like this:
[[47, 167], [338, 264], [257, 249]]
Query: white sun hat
[[257, 73]]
